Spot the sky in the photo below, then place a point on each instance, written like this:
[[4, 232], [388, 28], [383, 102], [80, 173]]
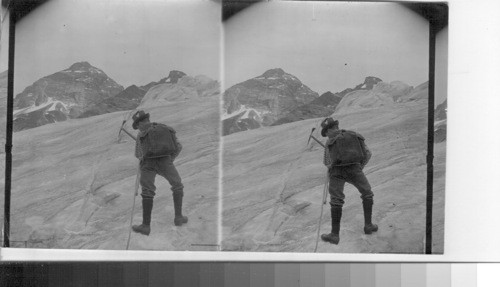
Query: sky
[[133, 42], [441, 71], [4, 39], [329, 46]]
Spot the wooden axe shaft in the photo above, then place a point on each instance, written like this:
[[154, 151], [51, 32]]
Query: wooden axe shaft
[[311, 136], [129, 134]]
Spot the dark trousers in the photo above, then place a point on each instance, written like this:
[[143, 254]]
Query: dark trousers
[[164, 167], [352, 174]]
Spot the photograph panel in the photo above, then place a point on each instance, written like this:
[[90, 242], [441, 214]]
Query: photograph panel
[[351, 76], [116, 126]]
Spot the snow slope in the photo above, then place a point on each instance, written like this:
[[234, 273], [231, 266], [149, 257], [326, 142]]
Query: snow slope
[[273, 180], [73, 181]]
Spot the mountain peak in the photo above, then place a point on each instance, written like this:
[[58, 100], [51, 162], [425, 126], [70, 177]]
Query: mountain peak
[[277, 72], [176, 72], [80, 66], [327, 94], [269, 97], [371, 81], [175, 75], [77, 88]]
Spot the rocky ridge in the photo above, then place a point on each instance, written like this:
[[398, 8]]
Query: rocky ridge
[[80, 91], [130, 98], [172, 78], [325, 104], [127, 99]]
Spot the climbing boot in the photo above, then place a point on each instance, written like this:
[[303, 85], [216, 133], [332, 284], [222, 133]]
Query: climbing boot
[[333, 237], [179, 218], [367, 210], [147, 207]]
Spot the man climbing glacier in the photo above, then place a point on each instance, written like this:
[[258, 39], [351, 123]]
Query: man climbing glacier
[[156, 148], [346, 154]]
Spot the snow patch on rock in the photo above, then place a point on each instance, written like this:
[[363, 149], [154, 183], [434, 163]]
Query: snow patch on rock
[[50, 103], [247, 112]]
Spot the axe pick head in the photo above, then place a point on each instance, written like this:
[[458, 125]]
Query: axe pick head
[[120, 131], [309, 139]]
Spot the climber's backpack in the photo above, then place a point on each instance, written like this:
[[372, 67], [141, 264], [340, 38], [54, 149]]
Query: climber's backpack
[[346, 149], [159, 140]]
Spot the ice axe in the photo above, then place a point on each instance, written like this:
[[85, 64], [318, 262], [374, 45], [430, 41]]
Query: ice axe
[[122, 129], [311, 136]]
